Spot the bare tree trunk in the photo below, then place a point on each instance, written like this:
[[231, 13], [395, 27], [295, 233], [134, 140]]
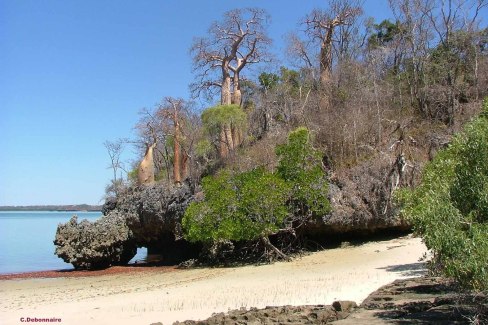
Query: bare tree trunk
[[476, 79], [146, 168], [236, 141], [237, 95], [225, 99], [225, 96], [228, 137], [326, 59], [326, 69], [223, 148]]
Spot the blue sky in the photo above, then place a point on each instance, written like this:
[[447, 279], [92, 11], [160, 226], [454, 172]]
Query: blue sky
[[75, 73]]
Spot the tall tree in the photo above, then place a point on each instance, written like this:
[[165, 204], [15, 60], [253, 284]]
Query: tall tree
[[454, 23], [237, 41], [114, 150], [320, 26], [174, 127], [173, 109]]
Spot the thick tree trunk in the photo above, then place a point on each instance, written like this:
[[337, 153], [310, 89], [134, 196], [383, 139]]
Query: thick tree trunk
[[228, 137], [237, 95], [226, 141], [225, 95], [326, 69], [236, 137], [325, 65], [223, 148], [145, 175]]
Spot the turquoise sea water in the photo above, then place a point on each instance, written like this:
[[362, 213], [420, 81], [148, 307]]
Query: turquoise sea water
[[26, 240]]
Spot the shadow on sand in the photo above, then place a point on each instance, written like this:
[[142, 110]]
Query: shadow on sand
[[410, 270]]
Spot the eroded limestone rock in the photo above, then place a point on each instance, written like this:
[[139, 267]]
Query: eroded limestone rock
[[92, 245], [362, 202], [147, 216]]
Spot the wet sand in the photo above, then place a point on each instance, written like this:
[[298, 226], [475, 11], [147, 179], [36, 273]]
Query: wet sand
[[144, 295]]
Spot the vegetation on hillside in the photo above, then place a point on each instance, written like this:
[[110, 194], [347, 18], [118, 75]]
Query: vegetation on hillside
[[352, 94], [450, 207], [255, 204]]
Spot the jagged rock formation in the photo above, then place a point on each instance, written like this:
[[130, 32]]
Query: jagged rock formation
[[154, 210], [92, 245], [361, 200], [426, 300], [318, 314], [154, 214], [148, 216]]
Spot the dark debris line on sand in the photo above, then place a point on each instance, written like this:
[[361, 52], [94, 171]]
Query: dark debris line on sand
[[84, 273]]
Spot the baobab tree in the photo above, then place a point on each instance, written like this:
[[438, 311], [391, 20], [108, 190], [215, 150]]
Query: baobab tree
[[174, 111], [174, 127], [239, 40], [320, 26]]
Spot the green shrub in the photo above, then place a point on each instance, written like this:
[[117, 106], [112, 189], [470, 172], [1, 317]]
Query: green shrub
[[247, 206], [450, 208], [300, 165], [215, 117], [257, 203]]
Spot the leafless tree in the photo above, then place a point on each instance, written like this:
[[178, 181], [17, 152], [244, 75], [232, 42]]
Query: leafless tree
[[438, 36], [114, 150], [417, 37], [320, 27], [300, 51], [448, 18], [175, 110], [237, 41], [176, 128]]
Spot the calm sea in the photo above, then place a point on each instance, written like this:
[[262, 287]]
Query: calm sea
[[26, 240]]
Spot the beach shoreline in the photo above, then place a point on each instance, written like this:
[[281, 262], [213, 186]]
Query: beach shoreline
[[145, 295]]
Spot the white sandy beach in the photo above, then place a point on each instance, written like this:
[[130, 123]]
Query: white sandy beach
[[166, 296]]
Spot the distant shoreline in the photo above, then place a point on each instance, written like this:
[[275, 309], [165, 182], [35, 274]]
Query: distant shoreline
[[57, 208]]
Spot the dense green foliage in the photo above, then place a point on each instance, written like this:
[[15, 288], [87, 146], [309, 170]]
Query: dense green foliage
[[241, 207], [450, 208], [215, 117], [257, 203], [301, 166]]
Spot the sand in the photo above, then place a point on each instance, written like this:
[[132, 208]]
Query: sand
[[166, 295]]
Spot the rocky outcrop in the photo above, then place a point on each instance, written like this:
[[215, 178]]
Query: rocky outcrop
[[92, 245], [147, 216], [153, 211], [318, 314], [423, 300], [361, 200], [153, 214]]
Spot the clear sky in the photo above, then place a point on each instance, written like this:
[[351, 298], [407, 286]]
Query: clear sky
[[75, 73]]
